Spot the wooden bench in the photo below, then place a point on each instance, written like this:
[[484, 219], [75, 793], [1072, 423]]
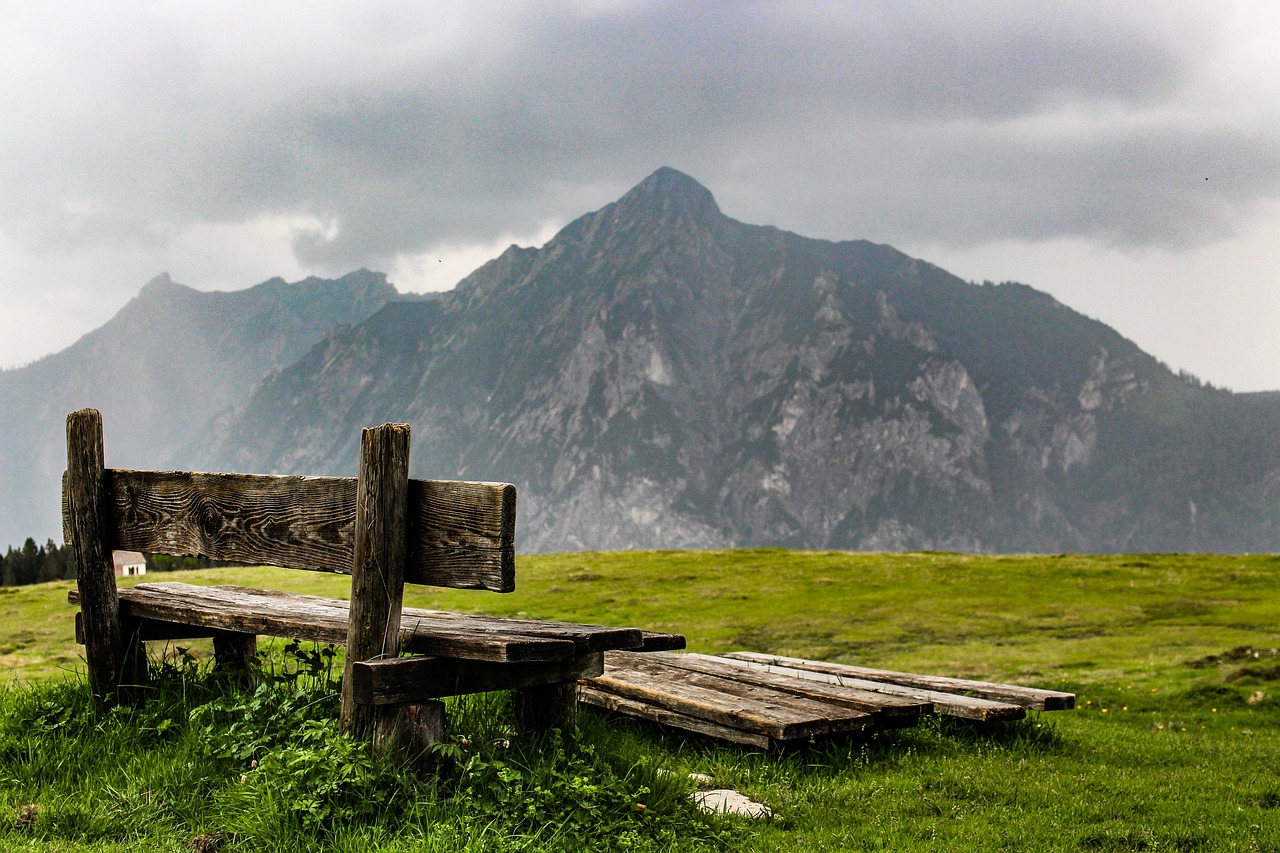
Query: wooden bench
[[381, 528]]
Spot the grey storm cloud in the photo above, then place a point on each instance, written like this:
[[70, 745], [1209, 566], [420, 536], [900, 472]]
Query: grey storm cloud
[[405, 126]]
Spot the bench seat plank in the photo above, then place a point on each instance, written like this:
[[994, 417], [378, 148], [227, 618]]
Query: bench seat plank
[[324, 620], [321, 620], [412, 680], [585, 637]]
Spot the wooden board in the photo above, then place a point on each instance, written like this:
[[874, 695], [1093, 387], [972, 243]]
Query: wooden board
[[585, 637], [427, 632], [657, 641], [461, 535], [417, 679], [633, 708], [321, 620], [151, 630], [946, 704], [1027, 697], [750, 708], [889, 711]]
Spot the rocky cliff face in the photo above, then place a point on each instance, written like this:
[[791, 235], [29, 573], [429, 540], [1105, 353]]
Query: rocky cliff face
[[659, 375], [160, 370]]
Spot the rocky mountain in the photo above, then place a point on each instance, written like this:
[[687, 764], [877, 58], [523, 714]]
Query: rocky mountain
[[659, 375], [160, 370]]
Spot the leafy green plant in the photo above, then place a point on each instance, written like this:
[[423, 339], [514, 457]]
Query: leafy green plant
[[324, 780]]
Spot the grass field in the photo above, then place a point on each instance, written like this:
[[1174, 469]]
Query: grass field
[[1174, 746]]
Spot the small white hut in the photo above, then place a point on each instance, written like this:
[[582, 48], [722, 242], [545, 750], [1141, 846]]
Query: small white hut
[[129, 563]]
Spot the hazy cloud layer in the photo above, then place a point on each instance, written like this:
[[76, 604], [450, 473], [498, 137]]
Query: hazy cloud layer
[[373, 131]]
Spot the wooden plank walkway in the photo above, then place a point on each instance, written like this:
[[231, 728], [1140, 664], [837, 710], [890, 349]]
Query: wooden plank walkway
[[1028, 697], [765, 701]]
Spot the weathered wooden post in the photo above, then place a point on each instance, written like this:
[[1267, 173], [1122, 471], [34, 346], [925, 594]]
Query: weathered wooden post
[[377, 589], [547, 706], [235, 654], [114, 656]]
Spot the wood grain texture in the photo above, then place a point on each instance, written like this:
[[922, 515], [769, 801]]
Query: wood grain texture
[[584, 637], [836, 718], [87, 524], [946, 704], [409, 733], [377, 574], [888, 711], [760, 710], [416, 679], [296, 522], [657, 641], [149, 629], [176, 610], [462, 535], [662, 716], [543, 707], [1028, 697]]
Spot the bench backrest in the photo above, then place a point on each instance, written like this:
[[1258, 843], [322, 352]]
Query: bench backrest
[[459, 535]]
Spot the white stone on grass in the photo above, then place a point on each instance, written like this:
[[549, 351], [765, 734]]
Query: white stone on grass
[[726, 801]]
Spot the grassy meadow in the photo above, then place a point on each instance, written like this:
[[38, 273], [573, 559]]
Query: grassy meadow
[[1175, 743]]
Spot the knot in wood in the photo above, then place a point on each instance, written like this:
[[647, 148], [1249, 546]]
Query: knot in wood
[[209, 518]]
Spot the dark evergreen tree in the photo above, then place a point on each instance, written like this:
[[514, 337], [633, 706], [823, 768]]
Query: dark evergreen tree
[[26, 563], [52, 563]]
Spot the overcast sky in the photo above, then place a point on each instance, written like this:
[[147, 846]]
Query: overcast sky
[[1124, 157]]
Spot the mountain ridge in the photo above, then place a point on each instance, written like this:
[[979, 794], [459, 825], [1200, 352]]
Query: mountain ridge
[[166, 363], [661, 375]]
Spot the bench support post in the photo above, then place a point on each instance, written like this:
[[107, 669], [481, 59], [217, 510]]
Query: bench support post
[[547, 706], [377, 577], [235, 654], [86, 526], [409, 731]]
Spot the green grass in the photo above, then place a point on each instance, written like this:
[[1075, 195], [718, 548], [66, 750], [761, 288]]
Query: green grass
[[1175, 744]]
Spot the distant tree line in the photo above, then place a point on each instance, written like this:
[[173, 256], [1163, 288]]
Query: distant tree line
[[34, 563]]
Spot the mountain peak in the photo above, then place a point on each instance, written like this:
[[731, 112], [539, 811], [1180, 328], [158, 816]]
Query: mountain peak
[[160, 285], [672, 192]]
